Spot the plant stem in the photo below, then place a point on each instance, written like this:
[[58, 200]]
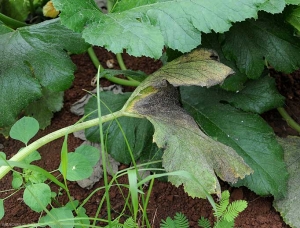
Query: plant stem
[[12, 23], [292, 123], [121, 62], [94, 59], [55, 135], [31, 6], [116, 80]]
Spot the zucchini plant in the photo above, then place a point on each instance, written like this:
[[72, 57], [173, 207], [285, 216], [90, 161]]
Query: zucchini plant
[[201, 108]]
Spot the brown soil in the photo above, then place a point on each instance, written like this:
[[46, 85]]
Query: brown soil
[[165, 199]]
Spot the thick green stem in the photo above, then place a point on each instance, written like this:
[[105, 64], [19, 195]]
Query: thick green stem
[[121, 62], [94, 59], [12, 23], [55, 135], [292, 123], [116, 80]]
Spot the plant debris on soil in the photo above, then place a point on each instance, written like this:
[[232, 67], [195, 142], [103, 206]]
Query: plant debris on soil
[[165, 199]]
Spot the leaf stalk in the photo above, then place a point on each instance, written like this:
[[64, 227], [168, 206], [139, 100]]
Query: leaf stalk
[[290, 121], [115, 80], [55, 135], [12, 23]]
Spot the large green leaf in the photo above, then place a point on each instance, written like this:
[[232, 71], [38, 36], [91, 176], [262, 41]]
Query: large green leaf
[[138, 132], [34, 57], [42, 109], [17, 9], [144, 27], [289, 205], [294, 18], [258, 96], [199, 67], [295, 2], [249, 42], [186, 147], [236, 81], [247, 133], [273, 6]]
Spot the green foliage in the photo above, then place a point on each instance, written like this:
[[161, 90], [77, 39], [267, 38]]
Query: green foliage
[[19, 9], [34, 64], [288, 205], [80, 163], [53, 219], [1, 208], [42, 109], [144, 27], [248, 43], [247, 133], [225, 214], [24, 129], [234, 141], [294, 18], [37, 196], [204, 222], [180, 221]]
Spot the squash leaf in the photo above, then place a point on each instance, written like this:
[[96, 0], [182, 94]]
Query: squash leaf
[[144, 27], [247, 133], [185, 146], [252, 42], [33, 58], [289, 204]]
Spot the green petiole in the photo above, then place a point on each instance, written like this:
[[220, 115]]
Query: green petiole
[[292, 123], [116, 80], [57, 134], [12, 23]]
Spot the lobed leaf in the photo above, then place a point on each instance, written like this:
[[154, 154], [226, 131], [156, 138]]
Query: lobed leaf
[[273, 6], [250, 42], [295, 2], [258, 96], [294, 18], [43, 108], [144, 27], [236, 81], [199, 67], [248, 134], [34, 58], [289, 204], [185, 146]]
